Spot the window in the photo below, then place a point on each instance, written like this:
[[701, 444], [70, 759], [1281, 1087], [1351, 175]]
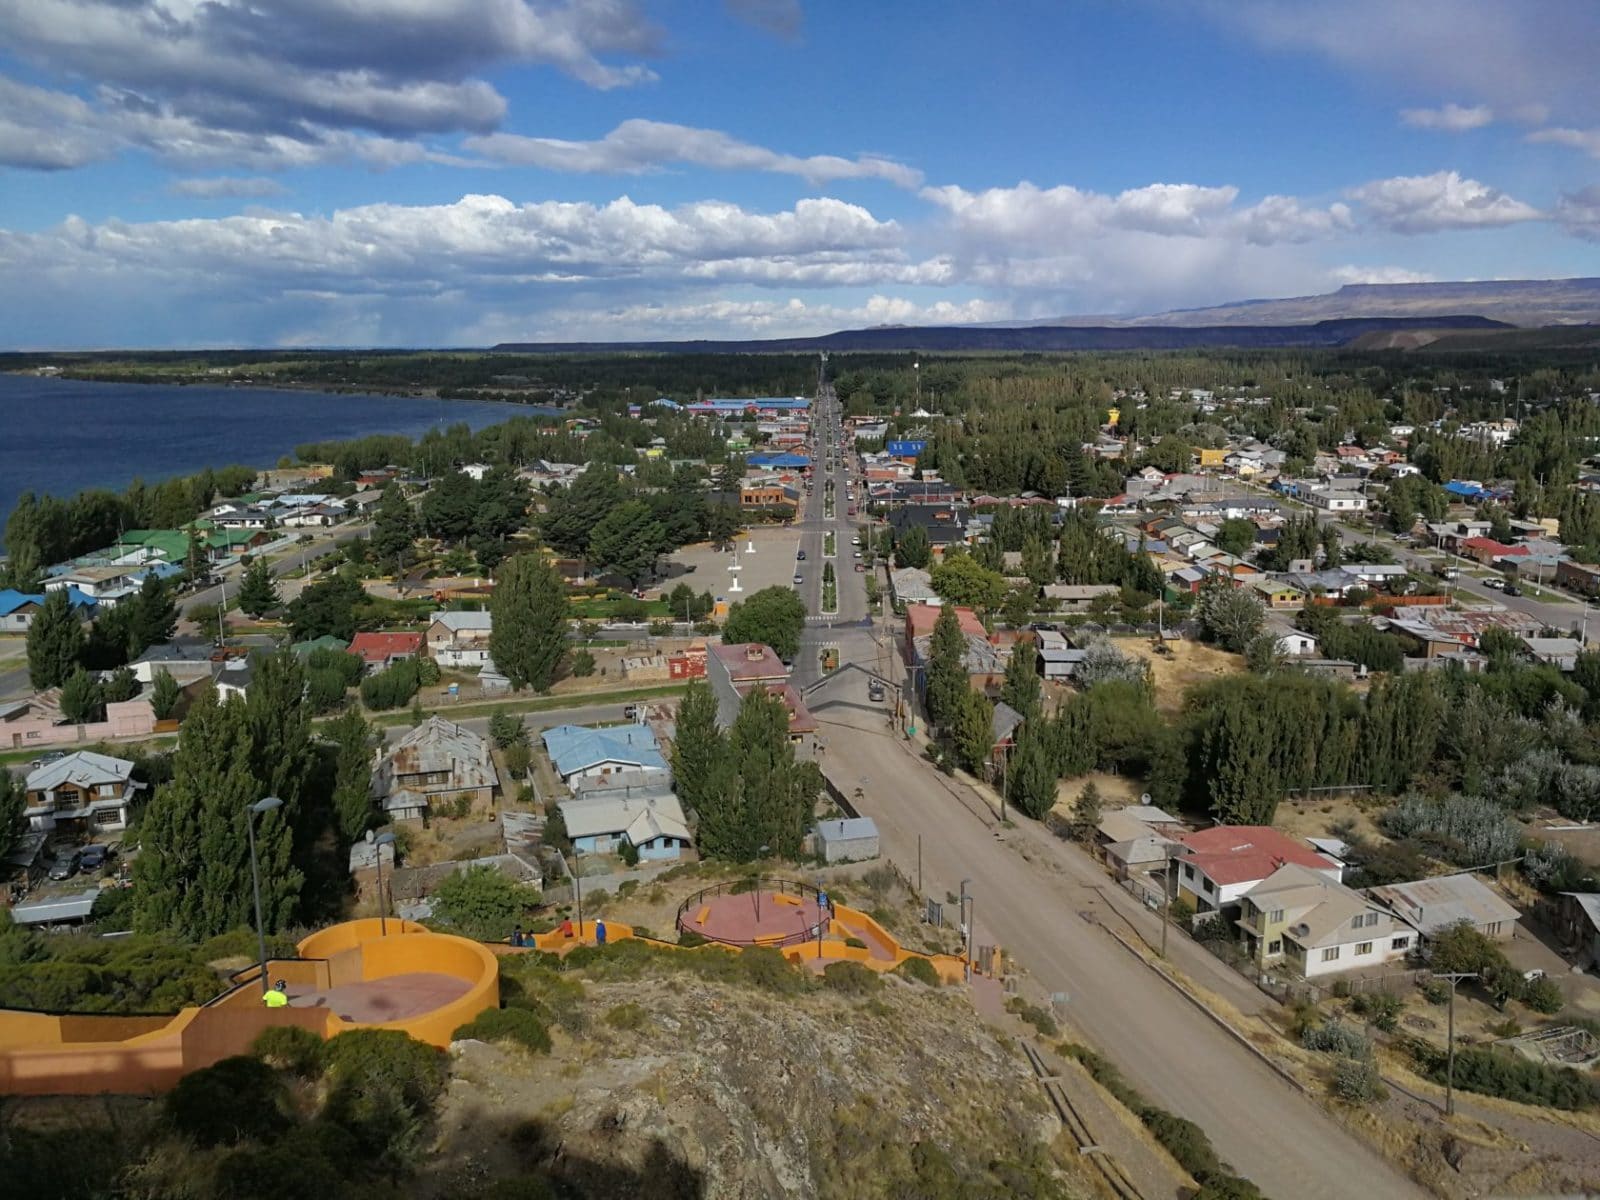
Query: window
[[1208, 885], [1372, 918], [1330, 954], [1275, 916], [1355, 921], [1188, 870], [1275, 947], [1363, 947], [1492, 929], [1399, 943]]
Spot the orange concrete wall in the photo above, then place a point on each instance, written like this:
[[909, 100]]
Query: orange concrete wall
[[404, 953]]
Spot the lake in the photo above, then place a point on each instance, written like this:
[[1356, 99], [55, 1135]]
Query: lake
[[61, 435]]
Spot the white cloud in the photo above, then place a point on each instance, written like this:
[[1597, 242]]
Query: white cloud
[[1587, 140], [1579, 213], [219, 187], [638, 146], [1364, 274], [1443, 200], [1452, 118]]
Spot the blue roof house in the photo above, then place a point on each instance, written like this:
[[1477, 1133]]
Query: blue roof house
[[578, 753], [17, 609]]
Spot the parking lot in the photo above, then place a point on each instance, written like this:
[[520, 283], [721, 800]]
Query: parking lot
[[772, 563]]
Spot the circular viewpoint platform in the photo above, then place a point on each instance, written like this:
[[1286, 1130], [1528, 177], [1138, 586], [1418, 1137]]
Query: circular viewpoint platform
[[764, 912]]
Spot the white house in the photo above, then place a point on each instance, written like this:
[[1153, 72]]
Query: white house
[[1317, 926], [1335, 500], [86, 792], [578, 753], [460, 639], [1297, 643]]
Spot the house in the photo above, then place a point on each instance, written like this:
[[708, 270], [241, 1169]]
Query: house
[[913, 585], [1433, 905], [1076, 597], [233, 677], [733, 668], [187, 660], [1485, 549], [1276, 593], [1296, 643], [72, 909], [1559, 652], [1334, 499], [851, 839], [83, 793], [945, 524], [17, 609], [436, 761], [1580, 577], [1137, 837], [579, 753], [381, 650], [1576, 921], [688, 663], [1316, 926], [654, 825], [1217, 866], [460, 639]]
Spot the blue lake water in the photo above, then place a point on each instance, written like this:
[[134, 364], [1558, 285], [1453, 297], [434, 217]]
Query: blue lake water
[[61, 436]]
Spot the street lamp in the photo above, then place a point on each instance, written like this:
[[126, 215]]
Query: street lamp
[[764, 850], [966, 930], [264, 805], [382, 840]]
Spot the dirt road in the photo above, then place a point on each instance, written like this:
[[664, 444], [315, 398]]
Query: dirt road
[[1174, 1054]]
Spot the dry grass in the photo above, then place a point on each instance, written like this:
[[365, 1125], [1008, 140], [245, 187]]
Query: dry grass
[[1189, 664], [1115, 790]]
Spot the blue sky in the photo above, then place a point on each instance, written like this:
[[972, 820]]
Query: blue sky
[[460, 172]]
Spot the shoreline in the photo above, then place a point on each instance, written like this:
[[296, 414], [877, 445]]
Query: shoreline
[[422, 393]]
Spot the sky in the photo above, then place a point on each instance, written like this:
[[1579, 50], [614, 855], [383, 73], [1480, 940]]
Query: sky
[[198, 173]]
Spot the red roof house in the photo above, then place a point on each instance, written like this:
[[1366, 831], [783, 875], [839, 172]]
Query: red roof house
[[380, 650], [1216, 866]]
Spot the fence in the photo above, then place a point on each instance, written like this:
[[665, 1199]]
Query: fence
[[1289, 989], [742, 886]]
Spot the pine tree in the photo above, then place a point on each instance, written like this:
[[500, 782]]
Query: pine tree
[[698, 748], [81, 699], [1086, 813], [913, 548], [281, 759], [394, 528], [972, 730], [352, 777], [947, 665], [164, 693], [528, 638], [258, 594], [155, 616], [55, 642], [1031, 776], [1020, 688], [771, 796]]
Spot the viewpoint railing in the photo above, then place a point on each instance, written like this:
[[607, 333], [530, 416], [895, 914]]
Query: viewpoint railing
[[753, 883]]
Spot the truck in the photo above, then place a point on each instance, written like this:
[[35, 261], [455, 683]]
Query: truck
[[1448, 572]]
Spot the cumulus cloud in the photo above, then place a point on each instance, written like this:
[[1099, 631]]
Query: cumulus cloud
[[1452, 118], [294, 72], [218, 187], [637, 146], [1365, 274], [1587, 140], [1441, 201]]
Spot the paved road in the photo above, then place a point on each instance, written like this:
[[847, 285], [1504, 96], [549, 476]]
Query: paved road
[[287, 565]]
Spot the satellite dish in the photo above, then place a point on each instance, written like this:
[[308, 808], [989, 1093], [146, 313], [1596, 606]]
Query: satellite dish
[[1145, 799]]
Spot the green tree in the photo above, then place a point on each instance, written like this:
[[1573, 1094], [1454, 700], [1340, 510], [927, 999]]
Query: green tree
[[698, 748], [627, 541], [1236, 535], [394, 528], [164, 694], [13, 801], [258, 594], [959, 579], [971, 730], [81, 699], [123, 685], [326, 608], [573, 512], [352, 739], [528, 639], [722, 523], [1229, 616], [1086, 813], [1021, 688], [449, 506], [947, 666], [55, 642], [506, 728], [1031, 776], [912, 548], [154, 615], [765, 798], [774, 616], [483, 903]]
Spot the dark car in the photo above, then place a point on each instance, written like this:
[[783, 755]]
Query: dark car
[[66, 865], [92, 858], [800, 555], [1512, 589]]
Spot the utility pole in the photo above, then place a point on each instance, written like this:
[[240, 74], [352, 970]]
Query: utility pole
[[966, 930], [1166, 900], [1454, 977]]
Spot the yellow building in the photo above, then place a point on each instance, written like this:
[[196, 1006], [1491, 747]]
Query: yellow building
[[1211, 458]]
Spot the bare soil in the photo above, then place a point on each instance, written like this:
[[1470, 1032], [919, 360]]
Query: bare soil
[[1189, 664]]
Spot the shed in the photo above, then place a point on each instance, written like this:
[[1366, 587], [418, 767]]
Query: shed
[[56, 910], [850, 839], [1434, 905]]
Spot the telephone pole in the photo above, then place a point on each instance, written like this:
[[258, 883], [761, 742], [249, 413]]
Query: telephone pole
[[1454, 977]]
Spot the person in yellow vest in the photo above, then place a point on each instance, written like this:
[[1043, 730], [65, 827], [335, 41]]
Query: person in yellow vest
[[276, 996]]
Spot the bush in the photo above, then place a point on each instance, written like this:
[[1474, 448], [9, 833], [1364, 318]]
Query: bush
[[290, 1048], [688, 937], [480, 902], [851, 978], [769, 970], [1543, 995], [236, 1099], [1435, 991], [1510, 1076], [629, 853], [382, 1088], [1356, 1081], [921, 970], [582, 662], [855, 943], [1381, 1009], [517, 1025], [1184, 1140], [391, 688], [1038, 1017], [1335, 1037], [626, 1016]]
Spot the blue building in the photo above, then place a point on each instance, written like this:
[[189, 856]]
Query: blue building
[[779, 460], [581, 754]]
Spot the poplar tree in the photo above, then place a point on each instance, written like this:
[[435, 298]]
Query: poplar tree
[[698, 748], [154, 617], [281, 758], [352, 774], [164, 693], [1020, 688], [1031, 776], [972, 730], [528, 638], [394, 527], [55, 642], [12, 803], [947, 666]]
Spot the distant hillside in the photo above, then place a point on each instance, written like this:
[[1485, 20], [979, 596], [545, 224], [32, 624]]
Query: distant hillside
[[1525, 302], [1040, 338]]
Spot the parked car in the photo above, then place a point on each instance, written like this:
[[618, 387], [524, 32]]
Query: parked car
[[1511, 589], [875, 690], [1449, 573], [1494, 584], [95, 856], [798, 580], [46, 759], [800, 555], [66, 864]]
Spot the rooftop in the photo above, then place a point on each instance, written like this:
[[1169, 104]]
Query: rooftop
[[574, 748], [1231, 854], [1435, 904], [749, 662], [83, 768]]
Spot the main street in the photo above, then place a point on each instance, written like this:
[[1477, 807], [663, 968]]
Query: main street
[[1043, 901]]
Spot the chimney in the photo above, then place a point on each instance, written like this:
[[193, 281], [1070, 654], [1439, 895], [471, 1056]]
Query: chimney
[[753, 652]]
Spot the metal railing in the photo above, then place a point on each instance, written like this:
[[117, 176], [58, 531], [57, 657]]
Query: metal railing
[[736, 887]]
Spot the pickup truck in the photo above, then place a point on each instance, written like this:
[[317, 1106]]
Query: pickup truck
[[1449, 572]]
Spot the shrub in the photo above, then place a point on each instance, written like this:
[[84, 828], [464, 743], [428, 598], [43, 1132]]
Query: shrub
[[480, 902], [290, 1048], [1181, 913], [1435, 991], [921, 970], [629, 853], [1335, 1037], [851, 978], [626, 1016], [1038, 1017], [769, 970], [517, 1025], [1381, 1009], [238, 1098], [1356, 1081], [855, 943], [1506, 1074], [1543, 995], [688, 937], [582, 662], [1184, 1140], [382, 1087]]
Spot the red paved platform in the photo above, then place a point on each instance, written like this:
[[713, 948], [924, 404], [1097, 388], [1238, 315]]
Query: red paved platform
[[393, 999], [751, 918]]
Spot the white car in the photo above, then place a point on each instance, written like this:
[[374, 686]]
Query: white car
[[1498, 585]]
